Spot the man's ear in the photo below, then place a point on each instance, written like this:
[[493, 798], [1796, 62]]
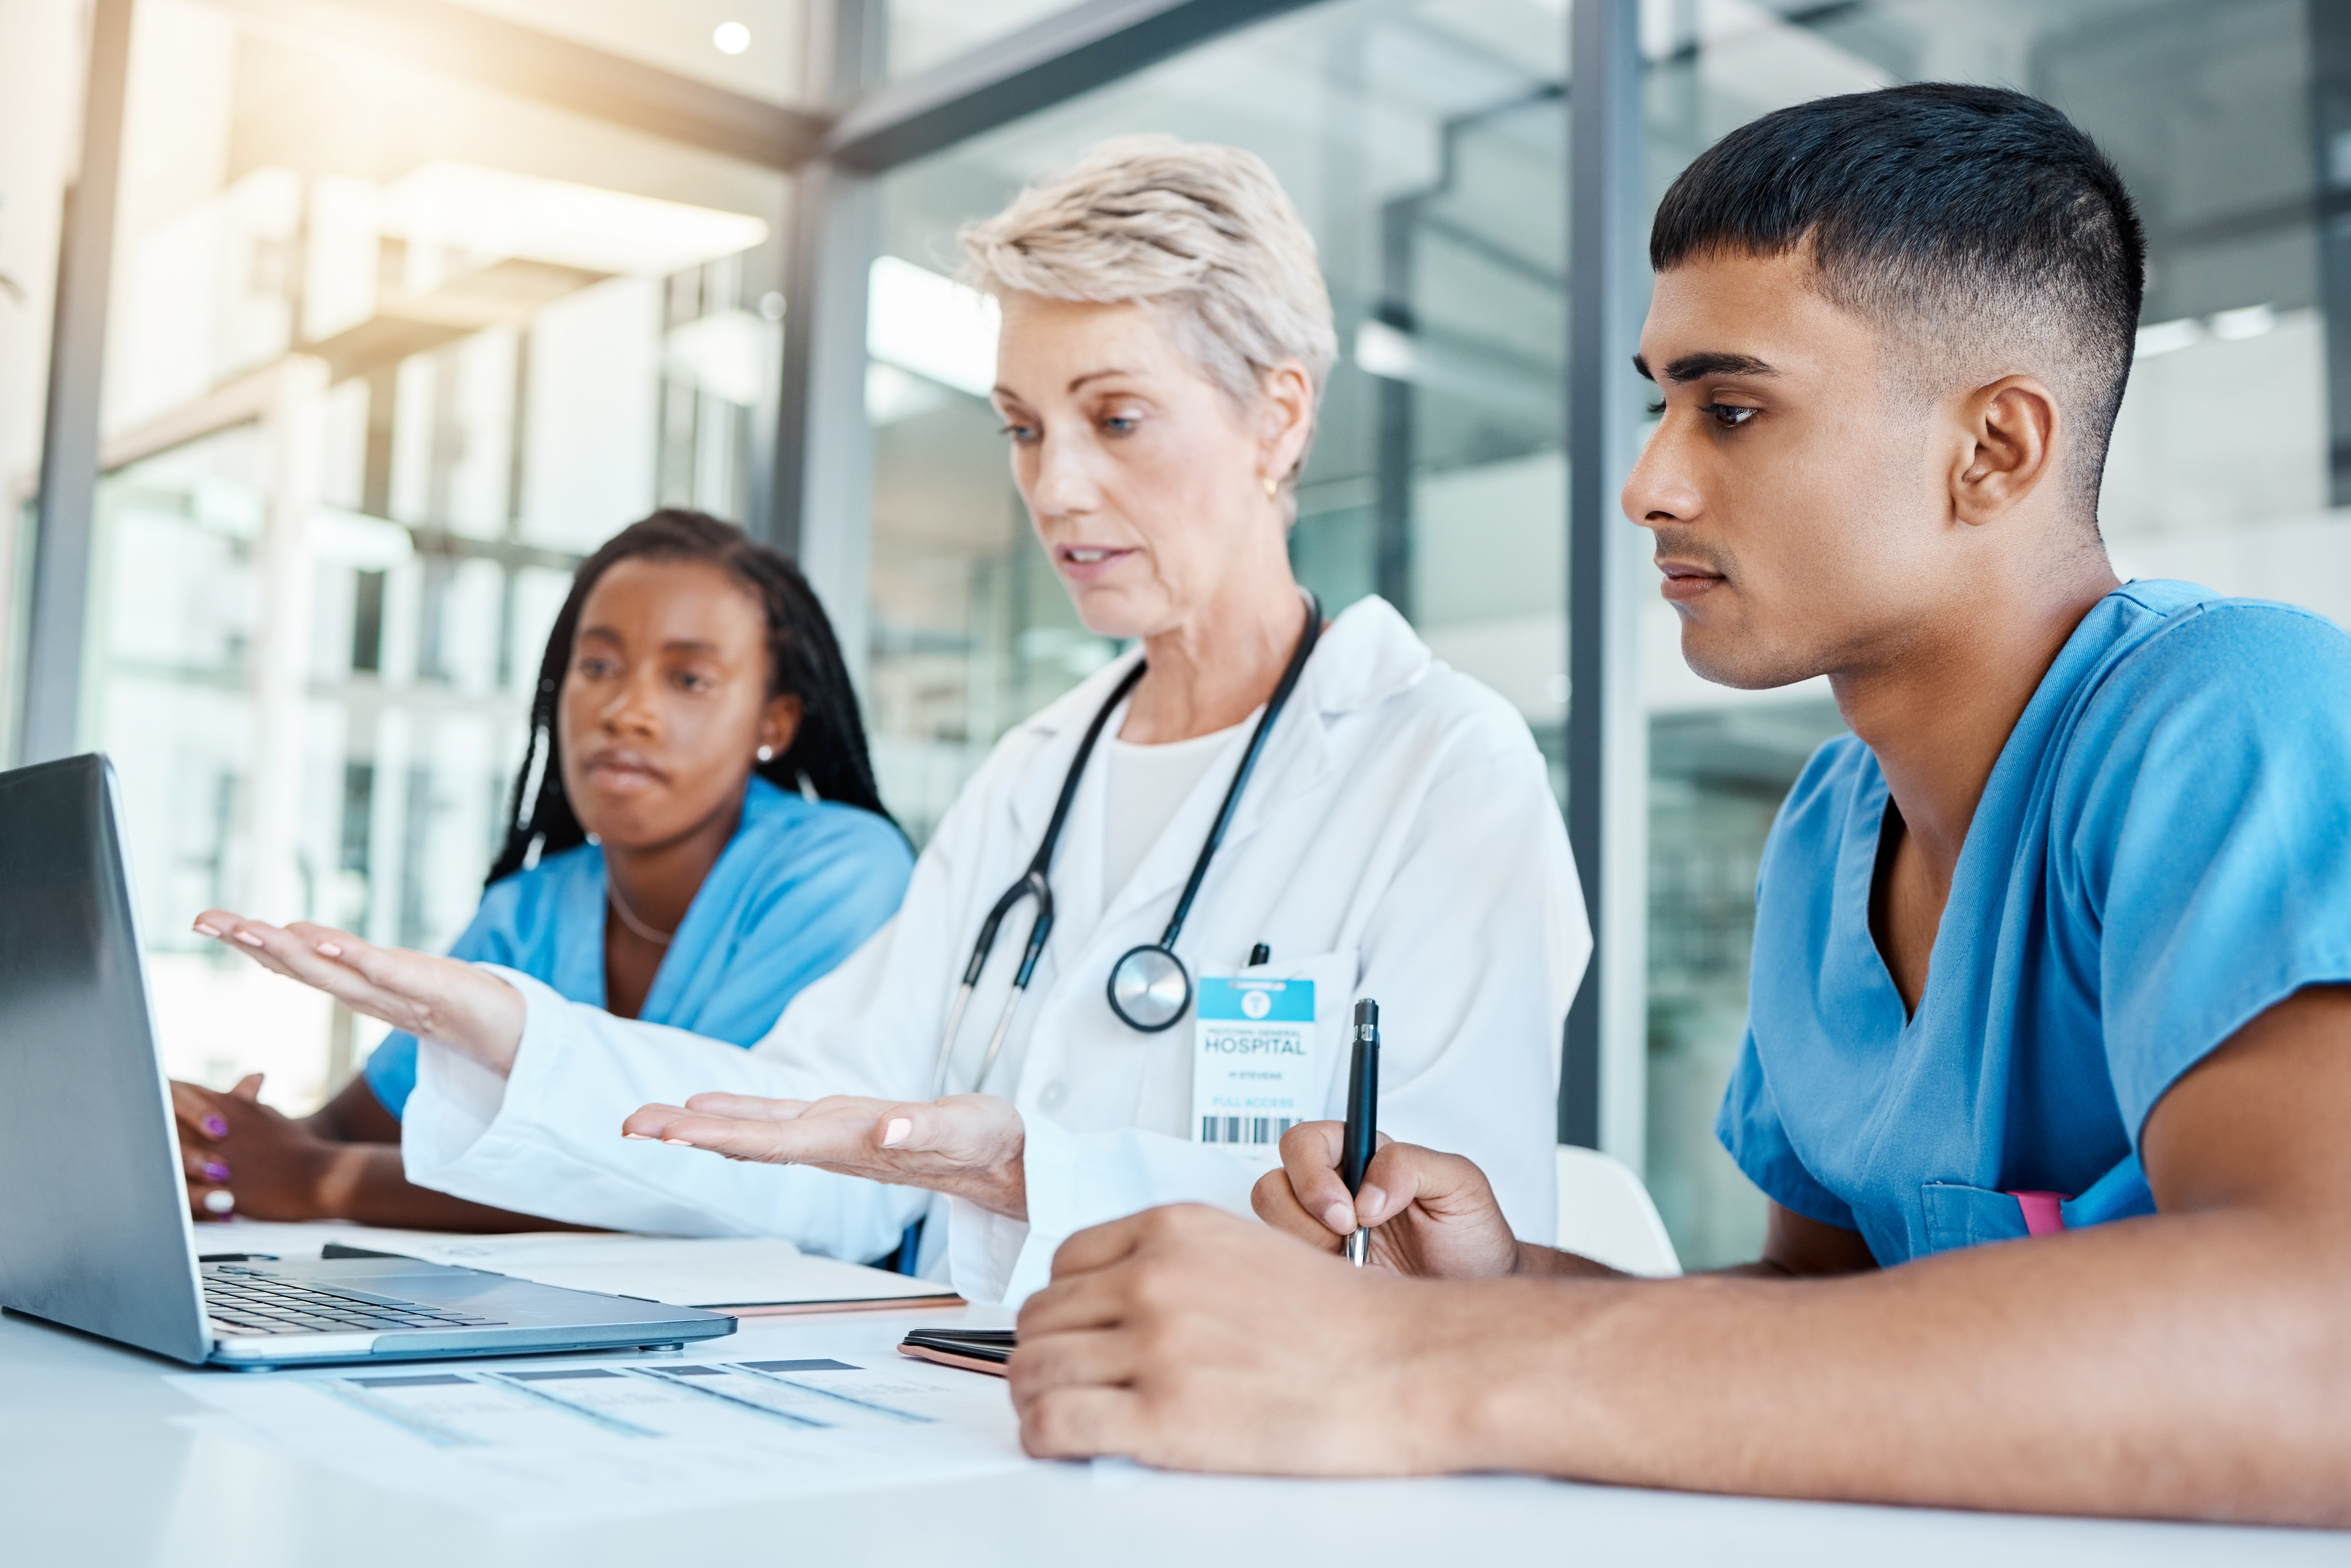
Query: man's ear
[[2010, 451]]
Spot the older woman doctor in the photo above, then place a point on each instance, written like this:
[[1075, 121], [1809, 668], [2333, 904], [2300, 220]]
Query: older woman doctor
[[1166, 339]]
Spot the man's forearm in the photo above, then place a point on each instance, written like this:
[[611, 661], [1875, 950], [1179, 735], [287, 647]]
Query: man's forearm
[[2188, 1366], [1537, 1261]]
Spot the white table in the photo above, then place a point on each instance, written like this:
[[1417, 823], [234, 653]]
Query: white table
[[95, 1473]]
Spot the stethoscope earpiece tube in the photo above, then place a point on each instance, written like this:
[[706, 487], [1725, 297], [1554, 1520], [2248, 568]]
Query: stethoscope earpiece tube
[[1273, 706], [1149, 989]]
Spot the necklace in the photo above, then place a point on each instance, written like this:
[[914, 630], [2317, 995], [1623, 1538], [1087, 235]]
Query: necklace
[[629, 916]]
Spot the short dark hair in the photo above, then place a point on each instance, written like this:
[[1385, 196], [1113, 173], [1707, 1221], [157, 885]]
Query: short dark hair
[[1974, 220], [827, 756]]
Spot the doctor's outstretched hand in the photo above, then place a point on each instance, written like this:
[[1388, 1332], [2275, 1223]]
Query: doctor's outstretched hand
[[445, 1000], [967, 1145]]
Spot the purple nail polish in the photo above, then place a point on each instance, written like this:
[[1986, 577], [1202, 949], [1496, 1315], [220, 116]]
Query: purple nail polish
[[216, 1171], [215, 1126]]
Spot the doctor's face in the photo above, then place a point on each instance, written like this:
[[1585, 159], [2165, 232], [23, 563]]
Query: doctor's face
[[1801, 517], [1144, 481], [665, 703]]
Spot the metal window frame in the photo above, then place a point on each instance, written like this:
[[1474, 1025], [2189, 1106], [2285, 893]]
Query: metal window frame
[[821, 479], [57, 608], [1604, 1076], [1073, 51]]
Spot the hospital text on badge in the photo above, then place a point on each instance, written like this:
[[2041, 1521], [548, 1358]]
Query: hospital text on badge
[[1253, 1075]]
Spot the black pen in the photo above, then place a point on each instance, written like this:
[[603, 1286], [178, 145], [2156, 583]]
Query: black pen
[[1363, 1115]]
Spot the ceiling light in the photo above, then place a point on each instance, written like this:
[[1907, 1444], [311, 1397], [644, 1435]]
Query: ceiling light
[[1386, 352], [2250, 321], [459, 217], [732, 38], [2168, 337]]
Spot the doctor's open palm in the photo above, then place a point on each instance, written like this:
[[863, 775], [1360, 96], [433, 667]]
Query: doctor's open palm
[[967, 1145], [445, 1000]]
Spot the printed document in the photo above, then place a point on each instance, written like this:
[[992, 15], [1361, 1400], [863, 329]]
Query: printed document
[[614, 1436]]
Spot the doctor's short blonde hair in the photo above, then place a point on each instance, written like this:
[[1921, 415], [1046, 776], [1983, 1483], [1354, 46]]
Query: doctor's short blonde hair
[[1203, 233]]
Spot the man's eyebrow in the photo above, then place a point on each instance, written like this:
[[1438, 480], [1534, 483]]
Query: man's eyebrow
[[1694, 367]]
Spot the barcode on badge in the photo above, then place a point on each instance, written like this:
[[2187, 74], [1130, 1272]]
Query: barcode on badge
[[1245, 1129]]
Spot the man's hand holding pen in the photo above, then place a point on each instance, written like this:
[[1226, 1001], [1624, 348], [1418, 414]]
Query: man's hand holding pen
[[1429, 1214], [1192, 1339]]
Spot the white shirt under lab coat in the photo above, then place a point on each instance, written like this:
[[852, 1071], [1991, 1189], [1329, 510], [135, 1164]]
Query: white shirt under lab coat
[[1398, 841]]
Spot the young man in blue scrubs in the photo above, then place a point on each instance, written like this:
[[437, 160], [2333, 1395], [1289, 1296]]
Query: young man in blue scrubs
[[2053, 952]]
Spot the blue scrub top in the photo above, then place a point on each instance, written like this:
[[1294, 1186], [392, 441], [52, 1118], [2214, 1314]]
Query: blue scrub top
[[2162, 852], [799, 888]]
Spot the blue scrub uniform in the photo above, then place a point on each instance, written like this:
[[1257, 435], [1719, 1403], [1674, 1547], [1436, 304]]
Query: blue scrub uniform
[[799, 888], [2162, 852]]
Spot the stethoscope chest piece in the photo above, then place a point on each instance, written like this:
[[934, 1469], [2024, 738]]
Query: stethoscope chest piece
[[1149, 988]]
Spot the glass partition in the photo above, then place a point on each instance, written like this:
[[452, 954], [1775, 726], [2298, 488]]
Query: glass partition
[[2227, 466], [387, 353], [1424, 144], [920, 34]]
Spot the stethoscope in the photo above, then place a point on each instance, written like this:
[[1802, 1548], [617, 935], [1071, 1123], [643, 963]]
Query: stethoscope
[[1150, 989]]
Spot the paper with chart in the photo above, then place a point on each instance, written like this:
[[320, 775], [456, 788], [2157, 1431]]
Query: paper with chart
[[615, 1438]]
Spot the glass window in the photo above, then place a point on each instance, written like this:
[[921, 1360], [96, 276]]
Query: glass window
[[387, 353], [920, 34], [1424, 144], [2230, 463]]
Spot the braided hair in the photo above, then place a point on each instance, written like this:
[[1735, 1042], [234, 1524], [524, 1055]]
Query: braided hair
[[803, 660]]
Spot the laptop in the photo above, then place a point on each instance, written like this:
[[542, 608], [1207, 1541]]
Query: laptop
[[97, 1233]]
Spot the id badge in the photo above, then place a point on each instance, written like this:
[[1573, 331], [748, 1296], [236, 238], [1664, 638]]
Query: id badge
[[1253, 1075]]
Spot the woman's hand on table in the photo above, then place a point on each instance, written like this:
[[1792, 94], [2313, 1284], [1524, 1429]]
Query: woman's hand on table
[[241, 1156], [967, 1145], [443, 1000]]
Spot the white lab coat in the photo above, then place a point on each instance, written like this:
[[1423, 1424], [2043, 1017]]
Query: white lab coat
[[1398, 841]]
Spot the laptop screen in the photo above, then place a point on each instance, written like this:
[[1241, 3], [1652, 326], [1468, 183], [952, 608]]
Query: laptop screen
[[96, 1235]]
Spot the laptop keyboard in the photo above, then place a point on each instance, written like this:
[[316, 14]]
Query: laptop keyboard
[[244, 1302]]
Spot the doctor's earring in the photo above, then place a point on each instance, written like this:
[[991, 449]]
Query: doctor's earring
[[1272, 488], [766, 754]]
